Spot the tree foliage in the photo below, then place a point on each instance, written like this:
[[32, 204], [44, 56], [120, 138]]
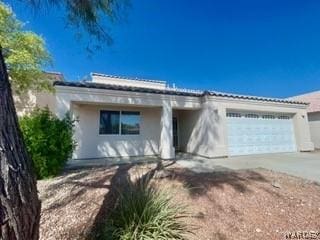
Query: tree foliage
[[25, 56], [48, 140], [25, 53], [88, 17]]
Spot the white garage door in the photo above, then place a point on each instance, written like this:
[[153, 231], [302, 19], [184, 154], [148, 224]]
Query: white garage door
[[255, 133]]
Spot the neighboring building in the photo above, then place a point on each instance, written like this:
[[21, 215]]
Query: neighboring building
[[313, 114], [119, 116], [25, 103]]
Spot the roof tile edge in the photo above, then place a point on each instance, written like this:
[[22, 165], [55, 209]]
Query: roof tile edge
[[249, 97], [174, 92]]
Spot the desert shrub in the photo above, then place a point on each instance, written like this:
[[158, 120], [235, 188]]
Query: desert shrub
[[144, 212], [48, 141]]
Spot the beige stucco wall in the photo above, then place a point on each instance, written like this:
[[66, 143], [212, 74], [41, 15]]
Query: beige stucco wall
[[202, 131], [92, 145], [314, 122], [45, 99], [26, 102]]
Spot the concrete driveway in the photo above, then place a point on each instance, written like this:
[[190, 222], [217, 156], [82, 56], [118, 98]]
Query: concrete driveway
[[305, 165]]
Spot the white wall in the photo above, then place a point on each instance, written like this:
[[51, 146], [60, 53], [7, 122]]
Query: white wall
[[93, 145], [128, 82], [314, 122]]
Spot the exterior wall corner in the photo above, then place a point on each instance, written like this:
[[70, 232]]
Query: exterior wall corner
[[302, 132]]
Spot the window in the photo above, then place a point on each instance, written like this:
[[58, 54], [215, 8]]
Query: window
[[284, 117], [130, 123], [109, 122], [116, 122], [252, 115], [268, 117], [235, 115]]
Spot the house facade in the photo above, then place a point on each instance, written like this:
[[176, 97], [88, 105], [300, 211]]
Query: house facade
[[313, 110], [117, 116]]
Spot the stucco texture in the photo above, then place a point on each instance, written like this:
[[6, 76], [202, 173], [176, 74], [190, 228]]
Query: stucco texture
[[314, 122], [90, 144]]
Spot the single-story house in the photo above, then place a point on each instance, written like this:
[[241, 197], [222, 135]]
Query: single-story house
[[313, 110], [118, 116]]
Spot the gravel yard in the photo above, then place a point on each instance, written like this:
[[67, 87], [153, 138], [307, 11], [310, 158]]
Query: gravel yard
[[71, 202], [257, 204]]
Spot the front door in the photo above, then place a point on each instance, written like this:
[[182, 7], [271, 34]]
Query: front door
[[175, 133]]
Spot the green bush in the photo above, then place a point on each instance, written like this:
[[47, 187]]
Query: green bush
[[143, 212], [48, 140]]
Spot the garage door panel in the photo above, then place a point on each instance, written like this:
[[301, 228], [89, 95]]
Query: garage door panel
[[259, 133]]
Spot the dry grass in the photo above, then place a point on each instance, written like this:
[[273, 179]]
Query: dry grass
[[222, 205]]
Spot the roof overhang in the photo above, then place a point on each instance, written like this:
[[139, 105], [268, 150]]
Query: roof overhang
[[177, 92]]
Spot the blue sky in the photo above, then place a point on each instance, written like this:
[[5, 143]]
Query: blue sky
[[266, 47]]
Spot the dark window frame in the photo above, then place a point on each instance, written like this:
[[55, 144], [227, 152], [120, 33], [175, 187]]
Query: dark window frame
[[252, 115], [234, 115], [103, 131], [268, 116], [284, 117], [129, 113]]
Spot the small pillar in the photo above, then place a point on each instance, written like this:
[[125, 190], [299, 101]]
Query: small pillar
[[167, 150]]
